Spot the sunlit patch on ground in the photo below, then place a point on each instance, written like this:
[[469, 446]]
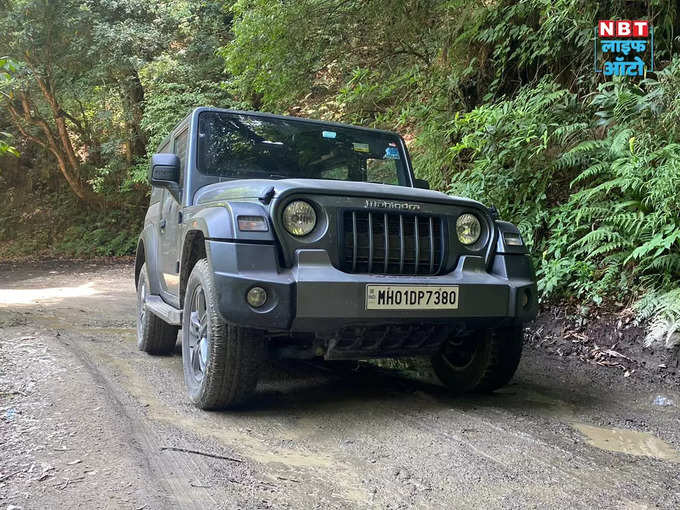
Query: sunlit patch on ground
[[28, 296]]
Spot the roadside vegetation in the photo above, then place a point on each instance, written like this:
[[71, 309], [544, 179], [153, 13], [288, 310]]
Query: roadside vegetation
[[498, 101]]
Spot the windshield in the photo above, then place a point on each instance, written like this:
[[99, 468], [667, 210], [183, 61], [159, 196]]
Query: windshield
[[246, 146]]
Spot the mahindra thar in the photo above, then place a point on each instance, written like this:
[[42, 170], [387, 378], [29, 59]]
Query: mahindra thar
[[278, 237]]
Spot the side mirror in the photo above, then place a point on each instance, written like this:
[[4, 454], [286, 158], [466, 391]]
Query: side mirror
[[422, 184], [164, 173], [164, 169]]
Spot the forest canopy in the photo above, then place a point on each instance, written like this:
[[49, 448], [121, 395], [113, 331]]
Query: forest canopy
[[498, 101]]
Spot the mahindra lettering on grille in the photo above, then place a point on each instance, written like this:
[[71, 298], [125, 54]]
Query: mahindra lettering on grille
[[392, 242], [388, 204]]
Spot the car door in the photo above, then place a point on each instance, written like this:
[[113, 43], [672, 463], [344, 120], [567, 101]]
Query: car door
[[170, 229]]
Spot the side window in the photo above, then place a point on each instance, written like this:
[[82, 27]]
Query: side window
[[180, 149]]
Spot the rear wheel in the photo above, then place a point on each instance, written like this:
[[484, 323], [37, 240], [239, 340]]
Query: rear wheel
[[221, 361], [482, 361], [154, 335]]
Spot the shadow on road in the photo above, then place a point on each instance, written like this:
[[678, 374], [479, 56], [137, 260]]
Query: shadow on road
[[305, 386]]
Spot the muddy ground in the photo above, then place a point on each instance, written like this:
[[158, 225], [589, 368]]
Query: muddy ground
[[87, 421]]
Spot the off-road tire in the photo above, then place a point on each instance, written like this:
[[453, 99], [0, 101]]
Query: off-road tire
[[235, 354], [492, 365], [154, 335]]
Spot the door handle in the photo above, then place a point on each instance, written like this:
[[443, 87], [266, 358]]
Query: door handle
[[162, 223]]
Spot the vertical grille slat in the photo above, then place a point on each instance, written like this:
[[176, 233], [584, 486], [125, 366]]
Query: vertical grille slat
[[387, 243], [392, 243], [431, 229], [354, 241], [416, 236], [402, 247], [370, 242]]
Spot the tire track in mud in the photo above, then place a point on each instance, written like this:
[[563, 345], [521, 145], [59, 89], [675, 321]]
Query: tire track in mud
[[269, 464], [585, 473], [512, 450], [142, 439], [585, 454]]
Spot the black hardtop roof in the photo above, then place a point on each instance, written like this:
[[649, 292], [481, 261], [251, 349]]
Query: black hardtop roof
[[290, 117], [200, 109]]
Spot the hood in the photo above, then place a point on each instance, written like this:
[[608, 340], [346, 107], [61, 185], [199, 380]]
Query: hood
[[255, 188]]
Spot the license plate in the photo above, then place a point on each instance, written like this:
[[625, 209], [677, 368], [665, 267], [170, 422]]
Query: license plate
[[408, 297]]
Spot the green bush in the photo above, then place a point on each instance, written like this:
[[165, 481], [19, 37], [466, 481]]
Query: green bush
[[594, 188]]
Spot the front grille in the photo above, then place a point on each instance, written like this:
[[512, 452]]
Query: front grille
[[392, 243]]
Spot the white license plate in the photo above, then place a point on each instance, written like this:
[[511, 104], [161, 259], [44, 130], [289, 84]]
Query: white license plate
[[408, 297]]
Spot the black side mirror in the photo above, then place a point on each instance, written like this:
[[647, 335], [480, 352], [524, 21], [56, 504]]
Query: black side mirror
[[164, 169], [422, 184], [164, 173]]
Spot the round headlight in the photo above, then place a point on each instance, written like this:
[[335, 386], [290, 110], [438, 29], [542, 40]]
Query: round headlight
[[468, 229], [299, 218]]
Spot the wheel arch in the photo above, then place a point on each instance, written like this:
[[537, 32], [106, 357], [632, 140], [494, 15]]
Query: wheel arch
[[146, 254], [193, 250], [140, 258]]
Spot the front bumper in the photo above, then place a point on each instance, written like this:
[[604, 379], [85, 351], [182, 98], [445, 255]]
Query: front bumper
[[313, 296]]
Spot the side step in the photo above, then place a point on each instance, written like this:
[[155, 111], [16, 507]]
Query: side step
[[161, 309]]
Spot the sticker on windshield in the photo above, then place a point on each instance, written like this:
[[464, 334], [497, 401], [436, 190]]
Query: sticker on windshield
[[391, 153], [329, 134], [361, 147]]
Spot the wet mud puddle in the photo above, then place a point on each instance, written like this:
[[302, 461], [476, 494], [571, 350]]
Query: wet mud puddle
[[631, 442], [627, 441]]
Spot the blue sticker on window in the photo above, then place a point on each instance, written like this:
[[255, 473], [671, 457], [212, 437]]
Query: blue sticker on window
[[329, 134], [391, 153]]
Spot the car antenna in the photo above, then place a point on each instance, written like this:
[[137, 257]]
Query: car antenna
[[267, 195]]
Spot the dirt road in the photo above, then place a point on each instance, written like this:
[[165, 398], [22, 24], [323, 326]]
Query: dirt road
[[87, 421]]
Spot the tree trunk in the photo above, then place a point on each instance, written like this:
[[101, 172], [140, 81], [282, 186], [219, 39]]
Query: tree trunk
[[59, 144], [132, 96]]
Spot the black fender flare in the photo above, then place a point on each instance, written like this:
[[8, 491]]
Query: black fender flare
[[147, 253], [220, 222]]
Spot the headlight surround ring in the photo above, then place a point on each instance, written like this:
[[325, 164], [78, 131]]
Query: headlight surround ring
[[299, 218], [468, 229]]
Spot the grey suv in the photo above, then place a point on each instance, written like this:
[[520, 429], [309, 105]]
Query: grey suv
[[279, 237]]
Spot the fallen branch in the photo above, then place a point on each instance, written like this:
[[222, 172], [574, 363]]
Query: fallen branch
[[288, 479], [8, 476], [185, 450]]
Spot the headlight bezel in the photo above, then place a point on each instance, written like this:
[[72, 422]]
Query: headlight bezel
[[476, 242], [305, 232]]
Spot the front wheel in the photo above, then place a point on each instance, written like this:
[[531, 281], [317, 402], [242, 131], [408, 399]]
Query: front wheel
[[482, 361], [221, 360]]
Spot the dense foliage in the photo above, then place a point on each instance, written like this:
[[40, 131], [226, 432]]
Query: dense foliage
[[498, 101]]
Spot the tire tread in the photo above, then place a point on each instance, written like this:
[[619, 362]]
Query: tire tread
[[236, 352]]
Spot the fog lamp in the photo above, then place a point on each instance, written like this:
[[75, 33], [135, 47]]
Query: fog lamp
[[256, 297]]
